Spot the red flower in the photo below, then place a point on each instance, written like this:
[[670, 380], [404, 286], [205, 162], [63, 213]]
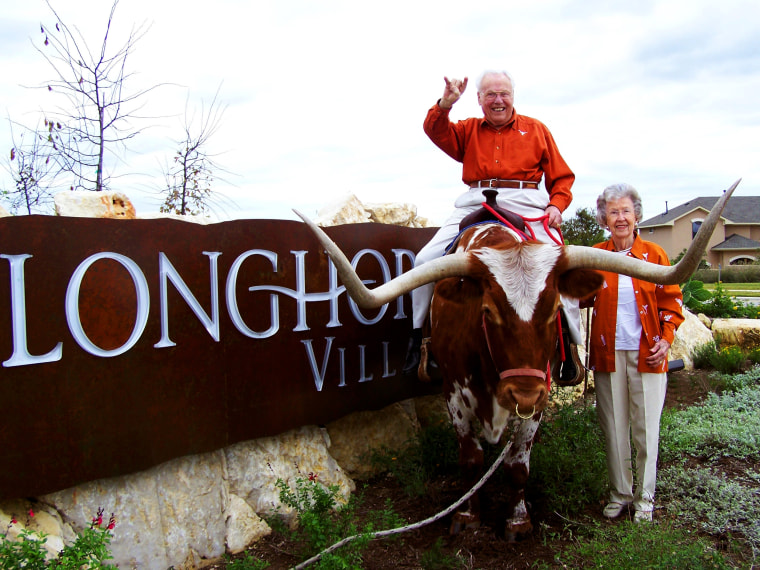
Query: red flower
[[111, 522], [313, 476], [14, 521], [31, 513]]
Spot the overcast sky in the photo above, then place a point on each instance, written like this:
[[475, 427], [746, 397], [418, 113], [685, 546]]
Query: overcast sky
[[327, 98]]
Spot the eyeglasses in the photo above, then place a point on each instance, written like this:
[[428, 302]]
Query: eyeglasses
[[615, 213], [491, 95]]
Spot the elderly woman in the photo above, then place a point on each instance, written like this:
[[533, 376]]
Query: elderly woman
[[634, 323]]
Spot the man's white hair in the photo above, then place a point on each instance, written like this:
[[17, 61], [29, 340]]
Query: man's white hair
[[488, 72]]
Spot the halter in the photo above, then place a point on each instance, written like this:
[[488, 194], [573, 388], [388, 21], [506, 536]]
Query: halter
[[519, 372]]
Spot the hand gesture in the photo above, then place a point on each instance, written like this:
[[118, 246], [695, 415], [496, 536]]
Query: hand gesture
[[452, 92]]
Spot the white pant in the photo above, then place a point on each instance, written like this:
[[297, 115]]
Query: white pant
[[629, 404], [527, 202]]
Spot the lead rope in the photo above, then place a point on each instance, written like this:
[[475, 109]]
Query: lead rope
[[420, 524]]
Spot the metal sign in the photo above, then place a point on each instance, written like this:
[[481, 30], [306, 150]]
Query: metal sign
[[127, 343]]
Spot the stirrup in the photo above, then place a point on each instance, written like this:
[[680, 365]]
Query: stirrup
[[428, 370]]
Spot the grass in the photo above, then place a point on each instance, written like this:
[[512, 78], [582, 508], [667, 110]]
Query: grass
[[737, 289]]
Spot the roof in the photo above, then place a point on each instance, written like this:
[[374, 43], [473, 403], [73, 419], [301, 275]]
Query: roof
[[735, 241], [739, 210]]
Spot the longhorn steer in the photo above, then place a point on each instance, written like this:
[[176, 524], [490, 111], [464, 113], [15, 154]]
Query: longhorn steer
[[494, 329]]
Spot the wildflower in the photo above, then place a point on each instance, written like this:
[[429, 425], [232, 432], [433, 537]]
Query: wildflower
[[313, 477], [13, 520], [111, 522], [97, 520], [31, 513]]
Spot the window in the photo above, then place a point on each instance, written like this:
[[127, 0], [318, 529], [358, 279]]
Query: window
[[695, 225]]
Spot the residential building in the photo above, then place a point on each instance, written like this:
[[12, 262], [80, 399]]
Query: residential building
[[735, 241]]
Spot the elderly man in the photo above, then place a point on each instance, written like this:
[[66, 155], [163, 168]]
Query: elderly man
[[510, 153]]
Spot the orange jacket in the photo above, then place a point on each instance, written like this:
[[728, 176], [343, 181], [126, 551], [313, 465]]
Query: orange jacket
[[660, 310], [522, 150]]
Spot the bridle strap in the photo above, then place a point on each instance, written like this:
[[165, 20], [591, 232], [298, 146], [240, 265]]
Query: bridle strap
[[523, 372]]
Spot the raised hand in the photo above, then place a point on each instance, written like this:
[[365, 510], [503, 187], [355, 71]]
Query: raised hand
[[452, 92]]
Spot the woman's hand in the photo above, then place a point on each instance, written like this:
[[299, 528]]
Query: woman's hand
[[659, 352]]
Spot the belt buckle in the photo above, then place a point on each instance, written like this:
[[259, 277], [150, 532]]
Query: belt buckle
[[491, 181]]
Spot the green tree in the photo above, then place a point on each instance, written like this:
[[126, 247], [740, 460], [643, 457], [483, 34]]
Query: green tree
[[582, 228]]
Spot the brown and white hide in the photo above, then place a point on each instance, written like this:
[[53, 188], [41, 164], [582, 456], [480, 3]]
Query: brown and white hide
[[501, 317]]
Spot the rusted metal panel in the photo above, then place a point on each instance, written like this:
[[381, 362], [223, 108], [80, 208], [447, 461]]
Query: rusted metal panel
[[157, 347]]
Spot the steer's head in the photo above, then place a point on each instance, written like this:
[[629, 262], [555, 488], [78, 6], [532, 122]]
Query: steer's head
[[505, 311]]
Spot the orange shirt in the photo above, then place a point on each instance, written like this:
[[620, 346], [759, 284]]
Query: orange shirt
[[524, 149], [660, 311]]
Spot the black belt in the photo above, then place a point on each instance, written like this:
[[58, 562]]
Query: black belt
[[498, 183]]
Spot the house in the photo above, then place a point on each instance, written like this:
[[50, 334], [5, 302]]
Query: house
[[736, 240]]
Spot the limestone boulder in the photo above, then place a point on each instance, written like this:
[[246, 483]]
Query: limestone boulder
[[397, 215], [254, 468], [170, 515], [347, 209], [88, 204], [355, 436], [744, 333], [691, 334], [244, 526]]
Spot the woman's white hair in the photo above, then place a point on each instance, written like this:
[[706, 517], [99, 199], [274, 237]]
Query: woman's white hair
[[488, 72], [616, 192]]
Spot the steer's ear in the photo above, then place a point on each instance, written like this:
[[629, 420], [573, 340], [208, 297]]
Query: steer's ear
[[580, 283]]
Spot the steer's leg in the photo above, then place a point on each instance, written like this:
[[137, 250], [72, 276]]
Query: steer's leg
[[517, 467], [470, 459]]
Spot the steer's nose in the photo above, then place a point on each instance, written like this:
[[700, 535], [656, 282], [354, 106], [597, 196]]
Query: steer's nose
[[523, 398]]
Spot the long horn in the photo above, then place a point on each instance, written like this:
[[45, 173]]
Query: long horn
[[446, 266], [592, 258]]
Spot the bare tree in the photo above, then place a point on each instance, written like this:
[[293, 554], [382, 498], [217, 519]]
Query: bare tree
[[100, 113], [31, 164], [190, 175]]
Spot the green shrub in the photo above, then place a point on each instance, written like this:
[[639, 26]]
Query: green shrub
[[89, 550], [322, 522], [568, 469], [702, 354], [736, 274], [432, 452], [706, 499], [725, 425], [738, 382], [728, 360], [723, 306], [694, 295]]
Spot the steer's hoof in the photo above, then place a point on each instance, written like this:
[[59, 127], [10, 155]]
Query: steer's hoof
[[517, 532], [463, 521]]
